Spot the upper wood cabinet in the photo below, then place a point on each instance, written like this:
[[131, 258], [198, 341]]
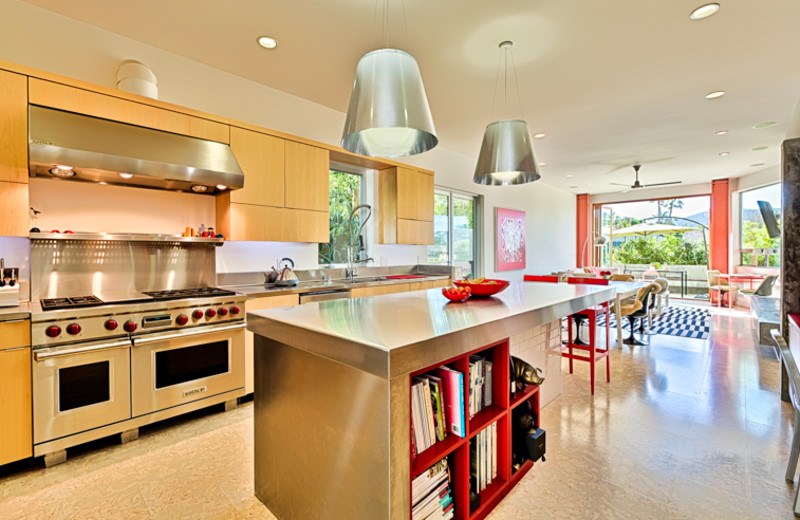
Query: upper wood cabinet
[[72, 99], [16, 437], [414, 195], [307, 177], [261, 158], [15, 213], [13, 127], [405, 206]]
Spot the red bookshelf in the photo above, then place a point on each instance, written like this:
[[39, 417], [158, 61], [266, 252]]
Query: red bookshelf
[[457, 449]]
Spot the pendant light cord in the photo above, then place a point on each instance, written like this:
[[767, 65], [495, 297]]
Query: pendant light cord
[[516, 80], [505, 84], [496, 82], [386, 24]]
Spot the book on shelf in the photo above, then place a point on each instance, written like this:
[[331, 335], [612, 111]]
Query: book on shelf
[[483, 458], [487, 389], [439, 415], [480, 384], [453, 383], [431, 496], [419, 420]]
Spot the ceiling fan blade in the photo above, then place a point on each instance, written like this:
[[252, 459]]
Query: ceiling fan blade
[[661, 184], [618, 184]]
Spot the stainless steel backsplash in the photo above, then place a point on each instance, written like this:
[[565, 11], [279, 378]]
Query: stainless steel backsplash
[[64, 268]]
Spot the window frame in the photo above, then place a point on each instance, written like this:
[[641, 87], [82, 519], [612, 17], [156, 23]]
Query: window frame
[[756, 252], [477, 245]]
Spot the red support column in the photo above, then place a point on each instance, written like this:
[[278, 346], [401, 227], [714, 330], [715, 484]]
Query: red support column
[[719, 226], [583, 229]]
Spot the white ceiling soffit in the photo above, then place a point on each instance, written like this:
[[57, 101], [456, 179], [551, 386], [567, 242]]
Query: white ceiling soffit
[[611, 83]]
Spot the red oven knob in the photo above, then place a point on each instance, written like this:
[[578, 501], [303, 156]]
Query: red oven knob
[[73, 328], [182, 319], [130, 326], [235, 309], [52, 331], [197, 314], [223, 311], [210, 313], [111, 325]]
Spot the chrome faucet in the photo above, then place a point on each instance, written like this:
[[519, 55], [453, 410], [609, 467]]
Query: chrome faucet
[[351, 272]]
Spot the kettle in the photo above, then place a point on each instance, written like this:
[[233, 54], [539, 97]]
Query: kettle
[[287, 277]]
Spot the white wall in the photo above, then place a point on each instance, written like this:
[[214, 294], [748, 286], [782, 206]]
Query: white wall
[[92, 54]]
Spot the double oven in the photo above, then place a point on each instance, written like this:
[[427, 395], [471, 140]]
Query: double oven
[[103, 365]]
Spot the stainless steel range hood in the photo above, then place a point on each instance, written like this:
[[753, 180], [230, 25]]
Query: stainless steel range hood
[[99, 150]]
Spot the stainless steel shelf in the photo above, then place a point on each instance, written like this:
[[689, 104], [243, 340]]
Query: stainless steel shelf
[[126, 237]]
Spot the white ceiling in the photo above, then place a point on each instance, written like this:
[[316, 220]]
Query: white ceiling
[[611, 82]]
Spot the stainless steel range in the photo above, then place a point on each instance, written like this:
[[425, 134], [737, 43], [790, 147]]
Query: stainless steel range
[[114, 359]]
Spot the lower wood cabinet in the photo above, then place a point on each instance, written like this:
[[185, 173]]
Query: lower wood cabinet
[[16, 435], [377, 290]]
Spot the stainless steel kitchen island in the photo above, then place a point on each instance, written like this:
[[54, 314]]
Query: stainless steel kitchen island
[[332, 389]]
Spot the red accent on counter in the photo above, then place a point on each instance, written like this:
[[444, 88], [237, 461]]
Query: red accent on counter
[[405, 276]]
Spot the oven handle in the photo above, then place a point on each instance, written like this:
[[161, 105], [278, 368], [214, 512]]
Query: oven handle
[[186, 333], [39, 355]]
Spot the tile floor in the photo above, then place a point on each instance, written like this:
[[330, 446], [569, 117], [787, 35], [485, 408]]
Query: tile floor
[[686, 429]]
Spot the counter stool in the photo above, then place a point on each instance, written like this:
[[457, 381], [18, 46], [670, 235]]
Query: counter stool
[[794, 381], [595, 354]]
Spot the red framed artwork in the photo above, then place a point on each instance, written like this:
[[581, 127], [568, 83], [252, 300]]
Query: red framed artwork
[[510, 235]]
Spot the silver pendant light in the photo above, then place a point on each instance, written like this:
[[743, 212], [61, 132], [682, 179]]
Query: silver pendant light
[[388, 114], [506, 155]]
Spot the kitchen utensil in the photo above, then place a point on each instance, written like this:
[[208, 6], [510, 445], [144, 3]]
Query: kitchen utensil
[[485, 288], [287, 277], [2, 272], [273, 275]]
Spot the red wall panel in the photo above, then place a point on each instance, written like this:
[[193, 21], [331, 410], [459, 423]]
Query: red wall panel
[[584, 228], [720, 225]]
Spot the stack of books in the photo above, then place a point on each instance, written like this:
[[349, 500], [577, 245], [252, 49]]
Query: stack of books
[[437, 408], [483, 458], [431, 497], [480, 384]]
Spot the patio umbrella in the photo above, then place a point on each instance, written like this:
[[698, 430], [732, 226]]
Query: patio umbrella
[[643, 230]]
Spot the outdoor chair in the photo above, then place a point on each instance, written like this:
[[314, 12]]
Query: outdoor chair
[[765, 289], [714, 286], [794, 381]]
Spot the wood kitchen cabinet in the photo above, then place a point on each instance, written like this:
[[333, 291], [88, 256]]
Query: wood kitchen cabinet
[[405, 206], [377, 290], [13, 128], [16, 436], [14, 201], [124, 107], [261, 158], [307, 177]]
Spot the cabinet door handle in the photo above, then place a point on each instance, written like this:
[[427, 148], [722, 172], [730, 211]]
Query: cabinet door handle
[[14, 321], [13, 349]]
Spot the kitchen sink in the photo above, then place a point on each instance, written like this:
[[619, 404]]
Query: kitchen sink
[[366, 279]]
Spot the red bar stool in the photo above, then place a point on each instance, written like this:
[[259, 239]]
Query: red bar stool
[[595, 354]]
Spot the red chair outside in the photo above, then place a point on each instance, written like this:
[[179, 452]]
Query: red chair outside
[[536, 278], [594, 354]]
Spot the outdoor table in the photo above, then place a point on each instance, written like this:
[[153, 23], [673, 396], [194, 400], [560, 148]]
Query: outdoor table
[[684, 277], [734, 277]]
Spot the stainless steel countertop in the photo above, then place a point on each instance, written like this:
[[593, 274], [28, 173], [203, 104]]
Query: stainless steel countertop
[[18, 312], [396, 334], [260, 290]]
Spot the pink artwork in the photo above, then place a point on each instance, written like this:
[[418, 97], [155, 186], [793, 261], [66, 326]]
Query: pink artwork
[[510, 232]]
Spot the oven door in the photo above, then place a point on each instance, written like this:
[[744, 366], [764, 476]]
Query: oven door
[[80, 387], [173, 368]]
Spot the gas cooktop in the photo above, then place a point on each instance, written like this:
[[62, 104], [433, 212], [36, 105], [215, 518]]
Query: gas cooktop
[[76, 302]]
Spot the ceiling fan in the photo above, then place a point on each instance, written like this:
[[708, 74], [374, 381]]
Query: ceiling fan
[[638, 185]]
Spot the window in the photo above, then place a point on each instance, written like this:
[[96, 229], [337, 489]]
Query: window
[[456, 235], [757, 247], [346, 192]]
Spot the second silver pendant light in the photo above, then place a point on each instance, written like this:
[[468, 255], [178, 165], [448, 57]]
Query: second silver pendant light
[[506, 155], [388, 114]]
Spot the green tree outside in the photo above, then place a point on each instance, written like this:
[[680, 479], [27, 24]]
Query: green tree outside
[[345, 190]]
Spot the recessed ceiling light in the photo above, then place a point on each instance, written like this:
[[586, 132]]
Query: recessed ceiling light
[[723, 154], [704, 11], [542, 164], [721, 132], [103, 182], [62, 171], [540, 135], [589, 185], [757, 164], [766, 124], [716, 94], [759, 148], [267, 42], [573, 187], [126, 175], [569, 176]]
